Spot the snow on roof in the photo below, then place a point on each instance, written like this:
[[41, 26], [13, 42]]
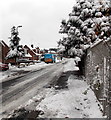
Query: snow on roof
[[1, 41], [33, 52], [29, 49], [96, 43], [38, 54], [27, 55]]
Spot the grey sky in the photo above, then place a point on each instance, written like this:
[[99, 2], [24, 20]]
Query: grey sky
[[40, 20]]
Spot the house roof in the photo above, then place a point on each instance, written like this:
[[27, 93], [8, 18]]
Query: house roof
[[29, 49], [3, 43], [38, 54], [32, 50]]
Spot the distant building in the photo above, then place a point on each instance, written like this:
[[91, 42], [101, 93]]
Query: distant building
[[31, 54]]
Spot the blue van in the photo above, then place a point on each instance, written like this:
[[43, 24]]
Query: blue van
[[49, 58]]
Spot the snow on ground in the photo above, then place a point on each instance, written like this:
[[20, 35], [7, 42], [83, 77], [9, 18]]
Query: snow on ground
[[13, 70], [78, 101], [70, 66]]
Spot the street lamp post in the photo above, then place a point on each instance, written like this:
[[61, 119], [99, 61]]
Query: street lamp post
[[17, 28]]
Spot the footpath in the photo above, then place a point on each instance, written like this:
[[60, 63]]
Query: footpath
[[70, 97]]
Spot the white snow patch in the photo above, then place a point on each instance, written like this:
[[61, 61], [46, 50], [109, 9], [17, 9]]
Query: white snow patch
[[71, 102], [70, 66]]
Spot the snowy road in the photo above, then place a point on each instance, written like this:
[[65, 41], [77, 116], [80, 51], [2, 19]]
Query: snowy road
[[19, 90], [52, 91]]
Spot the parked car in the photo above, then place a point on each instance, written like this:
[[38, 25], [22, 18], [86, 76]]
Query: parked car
[[3, 67]]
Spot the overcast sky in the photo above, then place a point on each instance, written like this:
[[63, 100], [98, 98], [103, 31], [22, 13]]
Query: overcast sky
[[40, 20]]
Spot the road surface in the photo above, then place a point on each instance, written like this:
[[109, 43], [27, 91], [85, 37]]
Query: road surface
[[17, 91]]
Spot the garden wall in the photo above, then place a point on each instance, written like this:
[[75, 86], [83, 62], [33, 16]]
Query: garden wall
[[98, 70]]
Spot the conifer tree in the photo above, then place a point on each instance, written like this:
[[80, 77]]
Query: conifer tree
[[88, 23], [16, 50]]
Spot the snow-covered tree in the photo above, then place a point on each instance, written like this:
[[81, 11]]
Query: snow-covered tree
[[88, 23], [16, 50]]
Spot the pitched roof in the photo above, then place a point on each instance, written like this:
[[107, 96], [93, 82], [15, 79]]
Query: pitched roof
[[30, 49], [3, 43]]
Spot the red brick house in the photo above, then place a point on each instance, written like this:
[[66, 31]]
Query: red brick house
[[31, 54], [4, 49], [36, 50]]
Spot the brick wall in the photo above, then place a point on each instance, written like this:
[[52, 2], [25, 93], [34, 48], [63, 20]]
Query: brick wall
[[97, 71], [32, 53], [4, 49]]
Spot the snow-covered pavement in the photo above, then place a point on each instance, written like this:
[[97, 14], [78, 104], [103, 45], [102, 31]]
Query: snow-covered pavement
[[78, 101]]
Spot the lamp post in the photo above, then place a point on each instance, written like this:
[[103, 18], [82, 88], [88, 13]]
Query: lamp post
[[17, 28]]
